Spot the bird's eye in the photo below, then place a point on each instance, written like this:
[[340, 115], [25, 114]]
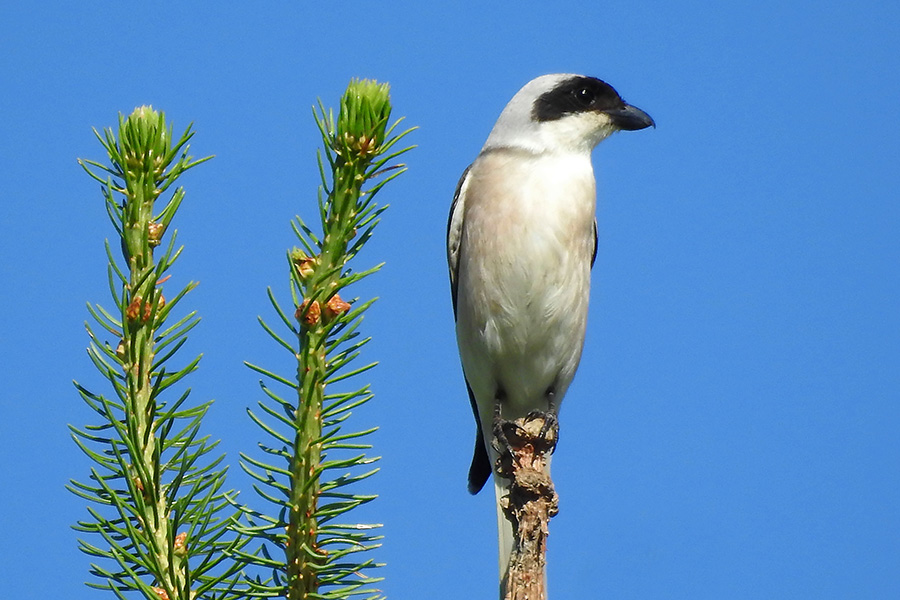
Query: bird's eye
[[584, 96]]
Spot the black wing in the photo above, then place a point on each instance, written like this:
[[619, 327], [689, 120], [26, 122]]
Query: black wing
[[454, 234], [480, 469]]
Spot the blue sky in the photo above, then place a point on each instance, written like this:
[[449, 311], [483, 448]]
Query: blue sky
[[733, 429]]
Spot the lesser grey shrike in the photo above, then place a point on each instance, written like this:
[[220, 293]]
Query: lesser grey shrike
[[521, 241]]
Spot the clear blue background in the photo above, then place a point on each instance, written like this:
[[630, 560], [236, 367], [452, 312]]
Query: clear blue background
[[733, 430]]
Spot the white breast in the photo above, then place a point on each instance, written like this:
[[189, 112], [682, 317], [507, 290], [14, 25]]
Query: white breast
[[524, 274]]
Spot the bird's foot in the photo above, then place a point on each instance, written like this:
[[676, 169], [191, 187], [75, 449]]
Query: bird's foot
[[499, 428], [549, 433], [523, 440]]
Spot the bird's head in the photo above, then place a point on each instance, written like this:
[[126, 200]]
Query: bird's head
[[564, 113]]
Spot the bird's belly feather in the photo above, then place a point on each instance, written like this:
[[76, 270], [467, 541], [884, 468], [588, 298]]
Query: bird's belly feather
[[522, 304]]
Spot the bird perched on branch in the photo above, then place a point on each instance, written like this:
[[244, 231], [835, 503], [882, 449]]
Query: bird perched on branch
[[521, 240]]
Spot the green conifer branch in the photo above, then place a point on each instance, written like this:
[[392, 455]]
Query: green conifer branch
[[316, 459], [157, 498]]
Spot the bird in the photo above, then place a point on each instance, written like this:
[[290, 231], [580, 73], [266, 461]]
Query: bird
[[521, 242]]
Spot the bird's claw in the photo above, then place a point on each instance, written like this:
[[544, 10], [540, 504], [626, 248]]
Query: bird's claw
[[511, 437], [500, 440], [549, 430]]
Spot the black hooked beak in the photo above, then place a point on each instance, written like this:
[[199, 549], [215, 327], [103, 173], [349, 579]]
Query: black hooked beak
[[630, 118]]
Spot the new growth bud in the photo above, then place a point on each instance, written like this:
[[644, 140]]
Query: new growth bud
[[363, 119], [154, 234], [304, 264], [335, 307], [308, 316]]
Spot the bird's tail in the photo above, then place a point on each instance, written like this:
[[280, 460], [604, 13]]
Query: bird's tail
[[505, 538]]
